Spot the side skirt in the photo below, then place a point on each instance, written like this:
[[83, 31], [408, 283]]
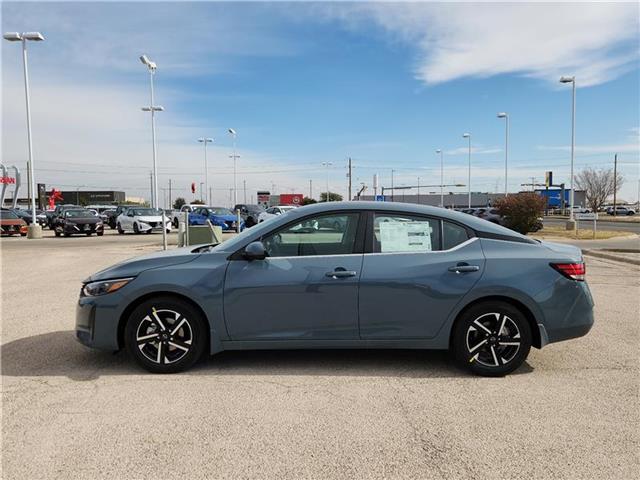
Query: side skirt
[[420, 344]]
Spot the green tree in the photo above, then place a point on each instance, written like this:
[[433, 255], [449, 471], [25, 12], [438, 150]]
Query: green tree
[[521, 211], [197, 202], [333, 197], [308, 201], [178, 203]]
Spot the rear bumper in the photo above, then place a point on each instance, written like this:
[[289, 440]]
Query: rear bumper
[[577, 322]]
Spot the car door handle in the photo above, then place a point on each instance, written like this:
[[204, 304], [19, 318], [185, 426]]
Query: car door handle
[[341, 273], [464, 268]]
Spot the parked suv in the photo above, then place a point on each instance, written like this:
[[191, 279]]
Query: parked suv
[[621, 211], [249, 213]]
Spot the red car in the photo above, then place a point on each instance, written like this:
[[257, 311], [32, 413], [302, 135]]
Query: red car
[[11, 224]]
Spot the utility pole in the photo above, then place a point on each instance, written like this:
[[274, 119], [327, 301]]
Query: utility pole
[[151, 180], [310, 188], [615, 182], [244, 191], [418, 190], [349, 175], [170, 204], [392, 190]]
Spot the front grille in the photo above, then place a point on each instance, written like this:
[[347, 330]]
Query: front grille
[[153, 224]]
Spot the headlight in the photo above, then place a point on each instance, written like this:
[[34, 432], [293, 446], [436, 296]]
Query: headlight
[[95, 289]]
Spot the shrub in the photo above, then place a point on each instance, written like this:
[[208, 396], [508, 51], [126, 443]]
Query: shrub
[[521, 211]]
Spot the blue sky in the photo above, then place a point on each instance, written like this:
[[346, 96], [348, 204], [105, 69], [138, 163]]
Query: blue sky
[[306, 83]]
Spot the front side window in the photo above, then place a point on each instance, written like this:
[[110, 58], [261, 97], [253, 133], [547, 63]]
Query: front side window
[[332, 234], [397, 233]]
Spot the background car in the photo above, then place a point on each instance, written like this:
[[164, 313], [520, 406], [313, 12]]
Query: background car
[[57, 212], [249, 213], [580, 209], [11, 224], [27, 217], [78, 221], [218, 216], [621, 211], [273, 212], [178, 215], [142, 220]]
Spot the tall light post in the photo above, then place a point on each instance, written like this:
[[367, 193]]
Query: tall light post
[[572, 80], [204, 141], [153, 108], [506, 148], [439, 151], [232, 132], [468, 136], [34, 229], [327, 164]]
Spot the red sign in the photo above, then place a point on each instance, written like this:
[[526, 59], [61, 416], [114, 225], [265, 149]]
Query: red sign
[[193, 187], [291, 199], [8, 180]]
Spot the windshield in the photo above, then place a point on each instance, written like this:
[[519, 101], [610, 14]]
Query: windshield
[[4, 214], [219, 211], [145, 211], [78, 214]]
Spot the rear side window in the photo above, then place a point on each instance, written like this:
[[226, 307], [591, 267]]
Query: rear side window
[[396, 233], [453, 235]]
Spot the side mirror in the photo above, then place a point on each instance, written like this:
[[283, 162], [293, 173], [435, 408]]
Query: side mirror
[[255, 251]]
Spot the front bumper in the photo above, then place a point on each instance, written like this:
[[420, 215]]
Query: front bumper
[[97, 321], [153, 226], [80, 228]]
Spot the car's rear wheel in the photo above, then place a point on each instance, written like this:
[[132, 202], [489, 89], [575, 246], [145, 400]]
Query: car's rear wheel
[[491, 339], [120, 230], [165, 335], [175, 223]]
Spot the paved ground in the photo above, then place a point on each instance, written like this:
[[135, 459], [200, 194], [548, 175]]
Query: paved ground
[[570, 412]]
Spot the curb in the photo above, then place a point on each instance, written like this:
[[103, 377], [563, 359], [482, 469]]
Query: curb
[[610, 256]]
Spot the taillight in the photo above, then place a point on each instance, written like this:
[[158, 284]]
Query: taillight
[[574, 271]]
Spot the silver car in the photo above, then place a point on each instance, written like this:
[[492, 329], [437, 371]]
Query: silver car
[[344, 275]]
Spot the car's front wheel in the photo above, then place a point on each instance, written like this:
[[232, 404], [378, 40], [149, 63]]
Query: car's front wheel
[[136, 230], [491, 339], [165, 335], [120, 229]]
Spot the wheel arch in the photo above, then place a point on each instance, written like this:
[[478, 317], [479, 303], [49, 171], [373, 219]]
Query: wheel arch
[[122, 321], [536, 340]]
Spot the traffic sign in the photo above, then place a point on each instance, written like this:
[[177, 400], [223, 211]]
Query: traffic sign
[[586, 216], [380, 198]]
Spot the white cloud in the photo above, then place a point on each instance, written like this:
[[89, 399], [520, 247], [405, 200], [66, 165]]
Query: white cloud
[[597, 42], [474, 151], [594, 149]]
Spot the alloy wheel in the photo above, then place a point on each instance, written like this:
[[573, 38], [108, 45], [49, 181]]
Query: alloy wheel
[[493, 340], [164, 336]]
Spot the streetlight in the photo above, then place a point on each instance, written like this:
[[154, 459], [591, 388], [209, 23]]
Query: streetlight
[[506, 148], [204, 141], [232, 132], [151, 66], [468, 135], [327, 164], [572, 80], [441, 176], [34, 229]]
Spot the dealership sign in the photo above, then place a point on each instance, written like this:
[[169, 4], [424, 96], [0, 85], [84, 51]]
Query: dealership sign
[[5, 180]]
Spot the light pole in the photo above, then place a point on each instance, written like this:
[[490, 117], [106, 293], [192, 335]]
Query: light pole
[[468, 136], [441, 176], [572, 80], [34, 229], [506, 148], [232, 132], [204, 141], [151, 66], [327, 164]]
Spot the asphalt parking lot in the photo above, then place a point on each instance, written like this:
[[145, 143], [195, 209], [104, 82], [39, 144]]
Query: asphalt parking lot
[[68, 412]]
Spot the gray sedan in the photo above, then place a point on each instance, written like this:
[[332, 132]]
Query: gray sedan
[[344, 275]]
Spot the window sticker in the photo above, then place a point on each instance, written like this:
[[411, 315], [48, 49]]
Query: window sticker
[[405, 236]]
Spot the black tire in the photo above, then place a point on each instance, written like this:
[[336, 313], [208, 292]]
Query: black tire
[[175, 223], [67, 234], [143, 324], [89, 234], [120, 230], [57, 233], [136, 230], [100, 234], [250, 222], [480, 346]]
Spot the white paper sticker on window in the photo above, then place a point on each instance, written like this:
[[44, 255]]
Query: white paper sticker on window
[[405, 236]]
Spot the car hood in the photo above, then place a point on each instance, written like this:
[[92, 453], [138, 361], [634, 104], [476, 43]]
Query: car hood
[[83, 220], [150, 218], [571, 252], [134, 266]]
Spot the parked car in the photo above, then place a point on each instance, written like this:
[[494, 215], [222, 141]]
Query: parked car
[[580, 209], [78, 221], [57, 212], [273, 212], [178, 215], [249, 213], [394, 276], [621, 211], [27, 216], [101, 216], [218, 216], [112, 215], [11, 224], [142, 220]]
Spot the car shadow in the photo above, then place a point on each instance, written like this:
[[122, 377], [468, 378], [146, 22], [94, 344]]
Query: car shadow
[[59, 354]]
